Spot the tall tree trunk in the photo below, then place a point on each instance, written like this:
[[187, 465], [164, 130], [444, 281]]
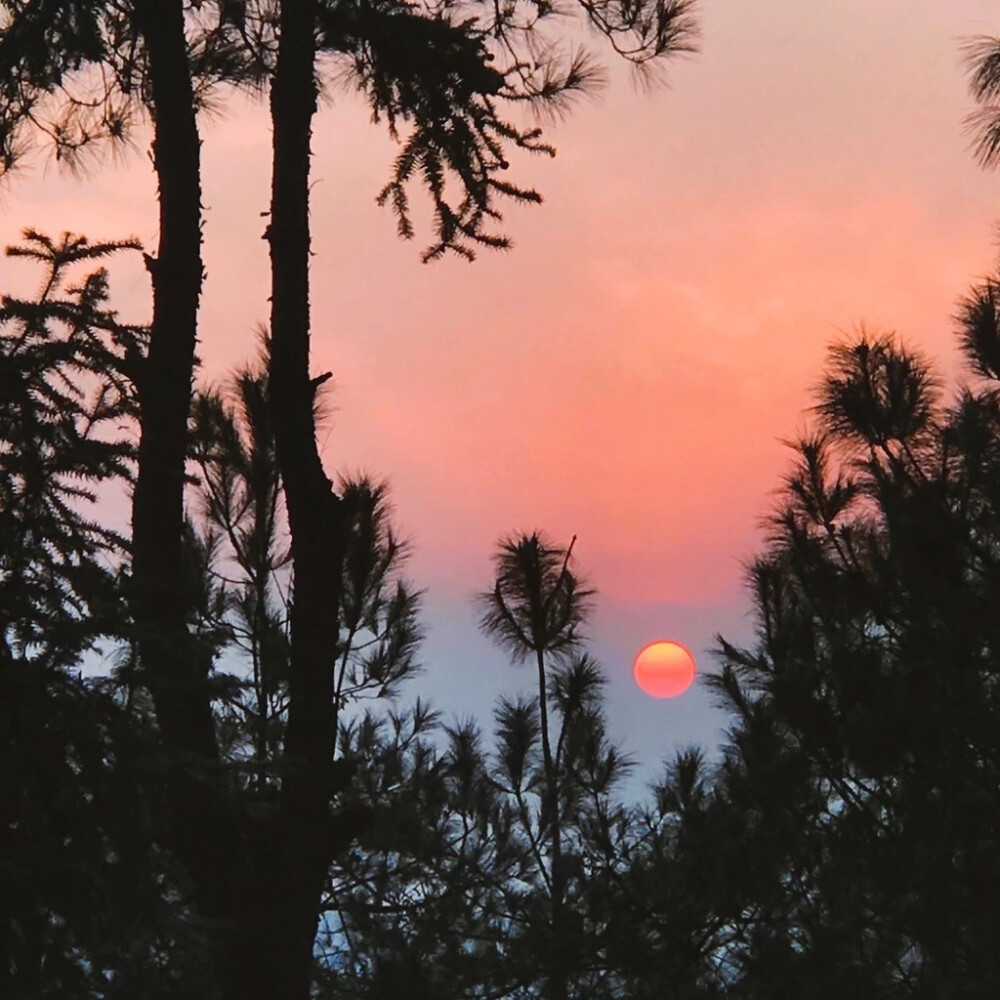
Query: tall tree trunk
[[183, 711], [259, 883], [316, 520], [197, 826]]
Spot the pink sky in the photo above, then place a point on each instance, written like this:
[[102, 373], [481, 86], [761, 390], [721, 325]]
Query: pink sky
[[625, 373]]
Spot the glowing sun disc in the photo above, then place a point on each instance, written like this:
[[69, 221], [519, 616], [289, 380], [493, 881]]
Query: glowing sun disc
[[664, 669]]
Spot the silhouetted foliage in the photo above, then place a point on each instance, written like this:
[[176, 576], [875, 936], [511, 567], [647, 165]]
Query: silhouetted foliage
[[844, 845], [78, 76], [96, 900], [246, 585], [455, 894], [91, 904], [64, 399], [559, 782], [982, 61], [250, 781]]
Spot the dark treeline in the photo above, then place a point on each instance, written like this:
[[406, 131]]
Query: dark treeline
[[245, 804]]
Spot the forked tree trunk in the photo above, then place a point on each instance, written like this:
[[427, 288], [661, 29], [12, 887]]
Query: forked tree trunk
[[259, 884]]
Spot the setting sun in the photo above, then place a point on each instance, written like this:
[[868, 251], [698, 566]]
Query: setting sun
[[664, 669]]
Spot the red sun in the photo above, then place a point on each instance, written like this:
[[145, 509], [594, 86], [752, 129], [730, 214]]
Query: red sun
[[664, 669]]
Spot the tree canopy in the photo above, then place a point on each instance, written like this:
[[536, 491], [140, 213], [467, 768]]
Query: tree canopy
[[237, 807]]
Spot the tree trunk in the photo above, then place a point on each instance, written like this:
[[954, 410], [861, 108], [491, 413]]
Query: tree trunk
[[315, 520], [258, 882], [183, 711], [174, 671], [196, 824], [558, 985]]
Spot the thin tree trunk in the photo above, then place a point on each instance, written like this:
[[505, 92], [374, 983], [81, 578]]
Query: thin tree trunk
[[196, 824], [315, 520], [183, 711], [174, 670], [558, 985]]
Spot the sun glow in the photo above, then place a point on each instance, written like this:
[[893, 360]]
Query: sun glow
[[664, 669]]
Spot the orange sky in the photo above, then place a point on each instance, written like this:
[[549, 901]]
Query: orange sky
[[625, 372]]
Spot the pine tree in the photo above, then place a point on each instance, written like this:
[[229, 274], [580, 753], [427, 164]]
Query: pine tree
[[844, 845], [556, 767]]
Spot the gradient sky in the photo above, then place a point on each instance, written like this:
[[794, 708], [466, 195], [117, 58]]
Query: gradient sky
[[626, 372]]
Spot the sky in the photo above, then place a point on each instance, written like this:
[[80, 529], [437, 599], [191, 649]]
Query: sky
[[627, 372]]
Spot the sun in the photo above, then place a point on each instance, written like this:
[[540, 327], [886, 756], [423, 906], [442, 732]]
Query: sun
[[664, 669]]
